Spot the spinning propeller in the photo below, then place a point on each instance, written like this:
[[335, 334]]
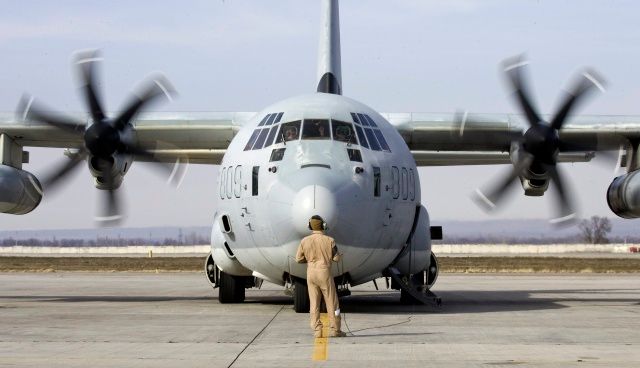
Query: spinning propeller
[[105, 139], [535, 153]]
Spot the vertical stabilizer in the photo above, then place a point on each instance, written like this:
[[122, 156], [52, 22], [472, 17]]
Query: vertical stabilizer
[[329, 62]]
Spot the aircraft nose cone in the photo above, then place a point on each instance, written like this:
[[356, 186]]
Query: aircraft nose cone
[[313, 200]]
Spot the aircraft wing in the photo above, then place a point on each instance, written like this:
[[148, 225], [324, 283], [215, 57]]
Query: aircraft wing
[[199, 137], [481, 139]]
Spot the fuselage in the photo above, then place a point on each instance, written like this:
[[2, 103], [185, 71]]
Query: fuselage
[[317, 154]]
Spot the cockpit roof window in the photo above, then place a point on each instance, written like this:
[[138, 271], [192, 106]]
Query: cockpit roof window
[[264, 120], [361, 137], [316, 129], [371, 122], [355, 117], [261, 138], [363, 119], [381, 140], [370, 129], [252, 139], [289, 131], [271, 118], [373, 142], [343, 132], [272, 135], [278, 118]]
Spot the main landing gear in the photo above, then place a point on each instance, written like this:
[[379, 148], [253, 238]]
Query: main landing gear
[[413, 289], [301, 303], [231, 288], [300, 293]]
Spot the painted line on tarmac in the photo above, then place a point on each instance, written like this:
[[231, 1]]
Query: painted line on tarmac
[[321, 344]]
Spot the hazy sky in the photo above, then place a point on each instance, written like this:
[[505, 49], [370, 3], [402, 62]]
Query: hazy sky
[[242, 55]]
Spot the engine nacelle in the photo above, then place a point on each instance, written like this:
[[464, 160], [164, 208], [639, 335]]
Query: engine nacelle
[[20, 191], [535, 180], [534, 187], [415, 258], [120, 164], [623, 195]]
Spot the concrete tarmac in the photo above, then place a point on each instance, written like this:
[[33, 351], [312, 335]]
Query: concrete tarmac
[[174, 320]]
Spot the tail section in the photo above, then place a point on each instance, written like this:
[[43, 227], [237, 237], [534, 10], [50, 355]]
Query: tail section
[[329, 61]]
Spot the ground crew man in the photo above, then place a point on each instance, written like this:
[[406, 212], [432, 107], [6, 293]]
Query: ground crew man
[[318, 250]]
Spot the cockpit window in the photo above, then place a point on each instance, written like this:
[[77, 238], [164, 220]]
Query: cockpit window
[[343, 132], [289, 131], [316, 129], [354, 116], [278, 118], [363, 119], [261, 138], [366, 127], [277, 154], [271, 118], [373, 142], [272, 135], [371, 122], [381, 140], [354, 155], [361, 137], [252, 140], [264, 120]]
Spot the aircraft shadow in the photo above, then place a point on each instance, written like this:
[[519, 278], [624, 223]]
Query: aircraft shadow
[[460, 302], [465, 301], [388, 302], [104, 298]]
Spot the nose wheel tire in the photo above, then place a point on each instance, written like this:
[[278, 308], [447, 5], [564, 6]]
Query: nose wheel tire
[[231, 288], [301, 301]]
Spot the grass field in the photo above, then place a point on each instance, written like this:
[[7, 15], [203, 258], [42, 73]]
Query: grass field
[[447, 264]]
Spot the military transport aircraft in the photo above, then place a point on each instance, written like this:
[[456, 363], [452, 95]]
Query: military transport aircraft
[[320, 153]]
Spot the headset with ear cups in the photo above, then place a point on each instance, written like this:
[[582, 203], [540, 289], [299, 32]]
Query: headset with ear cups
[[316, 217]]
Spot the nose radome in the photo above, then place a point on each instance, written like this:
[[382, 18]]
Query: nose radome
[[313, 200]]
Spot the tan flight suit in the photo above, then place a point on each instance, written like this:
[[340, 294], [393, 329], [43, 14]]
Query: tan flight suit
[[318, 250]]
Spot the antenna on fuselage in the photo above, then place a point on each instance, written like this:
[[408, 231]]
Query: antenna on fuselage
[[329, 61]]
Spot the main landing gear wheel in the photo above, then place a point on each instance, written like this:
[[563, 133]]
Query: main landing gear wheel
[[301, 303], [231, 288]]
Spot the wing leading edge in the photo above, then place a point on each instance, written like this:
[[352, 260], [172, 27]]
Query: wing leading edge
[[483, 139], [199, 137], [434, 139]]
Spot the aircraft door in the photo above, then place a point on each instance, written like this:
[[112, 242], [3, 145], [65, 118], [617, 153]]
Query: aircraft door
[[250, 196]]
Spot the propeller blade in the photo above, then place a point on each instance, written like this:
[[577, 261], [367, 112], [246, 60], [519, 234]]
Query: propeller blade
[[30, 110], [110, 215], [580, 89], [566, 213], [156, 87], [86, 60], [513, 70], [174, 172], [51, 180], [491, 199]]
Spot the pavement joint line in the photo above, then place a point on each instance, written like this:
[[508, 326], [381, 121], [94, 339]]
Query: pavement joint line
[[256, 336]]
